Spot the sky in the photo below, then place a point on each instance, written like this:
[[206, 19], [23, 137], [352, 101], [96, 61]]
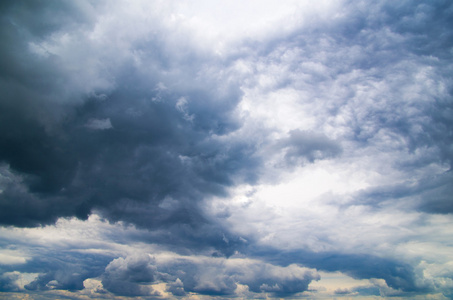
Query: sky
[[226, 149]]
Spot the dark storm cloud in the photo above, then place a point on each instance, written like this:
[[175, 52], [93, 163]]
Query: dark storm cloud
[[128, 150], [142, 135], [41, 18], [31, 82], [121, 152]]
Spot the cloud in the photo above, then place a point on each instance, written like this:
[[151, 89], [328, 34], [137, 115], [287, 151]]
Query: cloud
[[220, 276], [64, 272], [123, 276], [8, 282], [308, 145], [428, 194], [396, 274], [176, 288], [227, 150], [11, 258], [78, 251], [61, 169], [100, 124]]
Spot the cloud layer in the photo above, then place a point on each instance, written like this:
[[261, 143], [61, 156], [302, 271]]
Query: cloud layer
[[270, 149]]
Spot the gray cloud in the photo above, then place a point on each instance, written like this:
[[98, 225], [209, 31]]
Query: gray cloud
[[123, 276], [377, 76], [430, 194], [66, 163], [8, 282], [141, 124], [220, 276], [65, 271], [176, 288], [303, 145], [397, 275]]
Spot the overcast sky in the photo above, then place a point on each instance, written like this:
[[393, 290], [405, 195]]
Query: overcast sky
[[226, 149]]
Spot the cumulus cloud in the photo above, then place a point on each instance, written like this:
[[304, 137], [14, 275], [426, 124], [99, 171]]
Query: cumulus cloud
[[220, 276], [123, 276]]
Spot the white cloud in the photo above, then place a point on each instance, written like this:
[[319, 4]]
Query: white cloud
[[11, 257]]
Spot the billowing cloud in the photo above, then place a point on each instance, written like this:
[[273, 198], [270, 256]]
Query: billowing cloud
[[268, 149], [204, 275], [123, 276], [62, 160]]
